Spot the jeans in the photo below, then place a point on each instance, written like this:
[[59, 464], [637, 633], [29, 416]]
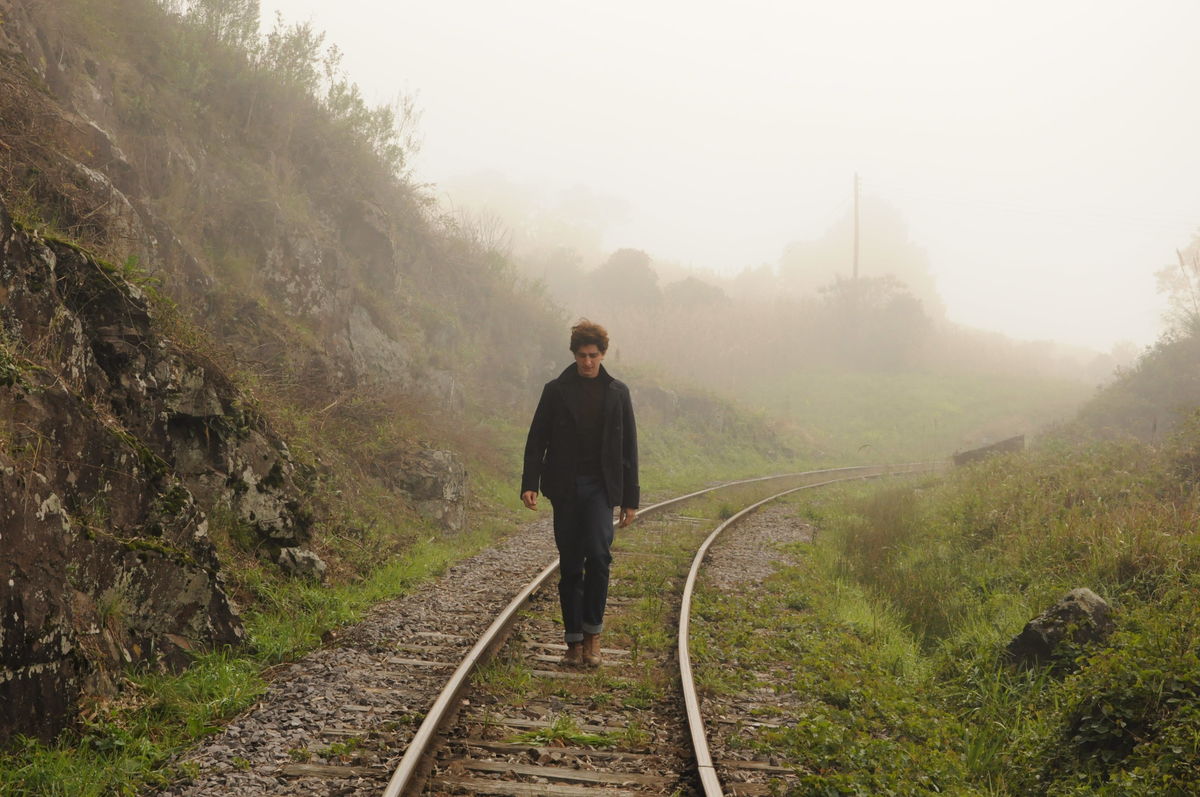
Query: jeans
[[583, 532]]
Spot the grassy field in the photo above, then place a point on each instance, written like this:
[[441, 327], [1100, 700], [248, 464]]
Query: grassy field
[[904, 606], [883, 417]]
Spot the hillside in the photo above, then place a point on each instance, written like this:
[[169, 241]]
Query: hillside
[[938, 588], [1156, 395], [945, 644], [242, 353]]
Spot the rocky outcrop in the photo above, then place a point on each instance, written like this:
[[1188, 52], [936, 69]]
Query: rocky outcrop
[[437, 482], [112, 168], [1080, 617], [433, 480], [123, 455], [114, 441]]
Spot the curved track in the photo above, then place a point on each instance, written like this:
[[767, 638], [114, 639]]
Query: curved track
[[417, 761]]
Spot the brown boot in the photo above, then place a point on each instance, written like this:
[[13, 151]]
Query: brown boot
[[574, 655], [591, 650]]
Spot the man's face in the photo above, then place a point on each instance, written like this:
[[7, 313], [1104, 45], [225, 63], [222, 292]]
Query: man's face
[[587, 360]]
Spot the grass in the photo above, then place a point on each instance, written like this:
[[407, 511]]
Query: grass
[[849, 720], [293, 615], [870, 416], [893, 626], [564, 732], [127, 744], [505, 675]]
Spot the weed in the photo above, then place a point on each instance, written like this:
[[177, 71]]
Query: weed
[[341, 750], [632, 735], [112, 607], [642, 695], [506, 675], [301, 755], [564, 732]]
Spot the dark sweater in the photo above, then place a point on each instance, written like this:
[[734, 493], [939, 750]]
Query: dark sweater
[[591, 424]]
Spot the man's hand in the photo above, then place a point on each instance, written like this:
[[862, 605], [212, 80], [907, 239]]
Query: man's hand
[[529, 498], [628, 515]]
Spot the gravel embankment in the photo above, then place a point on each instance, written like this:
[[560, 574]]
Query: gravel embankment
[[357, 702]]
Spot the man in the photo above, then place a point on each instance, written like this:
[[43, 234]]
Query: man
[[582, 454]]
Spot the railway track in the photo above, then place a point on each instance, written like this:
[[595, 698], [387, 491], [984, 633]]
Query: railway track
[[521, 732], [333, 722]]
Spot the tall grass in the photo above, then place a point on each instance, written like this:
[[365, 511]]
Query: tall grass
[[964, 564], [125, 746], [851, 676]]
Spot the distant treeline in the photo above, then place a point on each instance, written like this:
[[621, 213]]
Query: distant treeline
[[1151, 399]]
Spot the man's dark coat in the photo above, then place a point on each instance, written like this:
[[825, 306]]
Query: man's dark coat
[[551, 450]]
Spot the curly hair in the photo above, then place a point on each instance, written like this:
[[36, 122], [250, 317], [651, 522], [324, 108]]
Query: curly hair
[[585, 333]]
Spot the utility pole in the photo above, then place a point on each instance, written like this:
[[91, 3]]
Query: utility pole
[[857, 182]]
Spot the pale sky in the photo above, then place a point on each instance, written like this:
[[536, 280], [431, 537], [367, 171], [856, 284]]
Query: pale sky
[[1044, 153]]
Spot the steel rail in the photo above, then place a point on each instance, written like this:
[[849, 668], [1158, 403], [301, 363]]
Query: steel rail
[[406, 771], [704, 763]]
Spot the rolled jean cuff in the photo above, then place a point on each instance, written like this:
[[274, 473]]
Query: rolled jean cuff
[[573, 636], [592, 629]]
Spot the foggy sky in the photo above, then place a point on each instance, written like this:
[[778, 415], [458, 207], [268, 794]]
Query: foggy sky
[[1043, 153]]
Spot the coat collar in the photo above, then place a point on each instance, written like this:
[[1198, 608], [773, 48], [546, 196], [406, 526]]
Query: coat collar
[[571, 383]]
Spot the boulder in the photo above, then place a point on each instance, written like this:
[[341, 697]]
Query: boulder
[[1080, 617], [300, 563], [437, 482]]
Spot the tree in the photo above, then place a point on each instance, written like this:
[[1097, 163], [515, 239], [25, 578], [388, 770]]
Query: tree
[[693, 292], [231, 22], [885, 248], [293, 55], [874, 321], [1181, 283], [626, 278]]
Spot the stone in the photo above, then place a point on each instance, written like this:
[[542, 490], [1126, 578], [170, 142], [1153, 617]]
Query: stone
[[437, 482], [298, 562], [375, 354], [1080, 617]]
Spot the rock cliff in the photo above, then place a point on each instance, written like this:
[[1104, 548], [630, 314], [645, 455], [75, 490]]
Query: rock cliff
[[109, 433], [125, 453]]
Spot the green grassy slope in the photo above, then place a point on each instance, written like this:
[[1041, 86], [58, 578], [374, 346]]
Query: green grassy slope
[[888, 416], [938, 577]]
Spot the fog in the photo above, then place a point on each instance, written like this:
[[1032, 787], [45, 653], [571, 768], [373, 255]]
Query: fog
[[1041, 155]]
